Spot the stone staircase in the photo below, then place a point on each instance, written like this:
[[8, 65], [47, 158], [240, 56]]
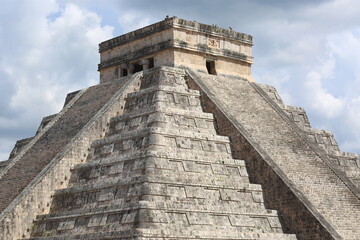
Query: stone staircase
[[349, 163], [308, 172], [160, 172]]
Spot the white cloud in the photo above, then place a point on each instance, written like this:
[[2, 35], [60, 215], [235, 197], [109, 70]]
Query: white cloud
[[48, 67], [131, 20], [44, 56], [352, 122], [345, 46], [320, 99]]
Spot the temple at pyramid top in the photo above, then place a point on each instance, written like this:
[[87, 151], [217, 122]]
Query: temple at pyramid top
[[177, 42]]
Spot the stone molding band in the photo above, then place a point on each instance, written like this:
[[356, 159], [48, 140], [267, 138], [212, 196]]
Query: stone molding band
[[174, 22], [172, 44]]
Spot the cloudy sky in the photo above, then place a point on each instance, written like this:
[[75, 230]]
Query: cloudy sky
[[309, 50]]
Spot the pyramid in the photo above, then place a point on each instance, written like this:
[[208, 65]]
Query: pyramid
[[178, 142]]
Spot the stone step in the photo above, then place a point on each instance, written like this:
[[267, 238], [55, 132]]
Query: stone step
[[186, 120], [108, 162], [91, 172], [190, 154], [166, 219], [160, 151], [158, 235], [164, 88], [170, 96], [162, 110], [138, 188], [156, 138], [171, 131], [187, 202], [156, 134], [166, 180], [212, 208], [245, 234]]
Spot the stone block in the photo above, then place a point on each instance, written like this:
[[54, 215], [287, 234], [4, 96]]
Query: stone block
[[97, 220], [258, 224], [128, 144], [183, 142], [178, 218], [105, 149], [171, 142], [134, 191], [274, 222], [195, 192], [191, 166], [243, 172], [66, 225], [116, 168], [194, 101], [209, 146], [257, 197], [235, 195], [202, 123], [153, 216], [106, 195], [114, 218], [129, 217], [221, 147], [219, 169], [135, 122], [95, 172], [176, 192], [120, 125], [198, 218]]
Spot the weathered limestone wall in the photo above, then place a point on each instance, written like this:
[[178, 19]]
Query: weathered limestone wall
[[193, 39], [137, 45], [308, 219], [223, 66], [164, 58], [16, 220]]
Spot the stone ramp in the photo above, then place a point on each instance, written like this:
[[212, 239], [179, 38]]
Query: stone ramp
[[330, 196], [44, 150], [347, 162]]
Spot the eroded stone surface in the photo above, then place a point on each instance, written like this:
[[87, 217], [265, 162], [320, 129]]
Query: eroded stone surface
[[303, 167], [161, 165], [138, 158]]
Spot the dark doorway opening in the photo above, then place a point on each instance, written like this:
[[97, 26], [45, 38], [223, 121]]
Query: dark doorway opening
[[137, 68], [151, 62], [210, 66], [124, 72]]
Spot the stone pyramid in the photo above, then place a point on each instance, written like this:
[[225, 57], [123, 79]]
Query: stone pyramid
[[178, 142], [160, 172]]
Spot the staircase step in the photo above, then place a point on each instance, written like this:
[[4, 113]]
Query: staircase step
[[135, 235]]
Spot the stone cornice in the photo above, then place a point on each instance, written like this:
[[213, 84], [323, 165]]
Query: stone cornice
[[134, 55], [175, 22]]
